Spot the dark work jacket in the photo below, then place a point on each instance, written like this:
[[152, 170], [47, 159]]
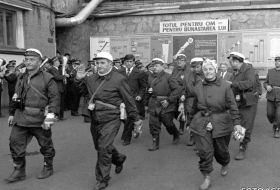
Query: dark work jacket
[[182, 76], [163, 85], [114, 91], [12, 80], [34, 116], [136, 81], [191, 81], [244, 81], [217, 99], [58, 77], [273, 79]]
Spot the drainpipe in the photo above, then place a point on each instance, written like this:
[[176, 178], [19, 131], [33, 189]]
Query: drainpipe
[[80, 17]]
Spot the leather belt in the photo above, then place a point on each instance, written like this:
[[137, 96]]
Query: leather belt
[[106, 104]]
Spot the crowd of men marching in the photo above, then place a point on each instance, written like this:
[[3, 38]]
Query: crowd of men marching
[[211, 100]]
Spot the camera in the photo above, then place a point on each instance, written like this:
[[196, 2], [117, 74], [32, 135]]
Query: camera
[[18, 103]]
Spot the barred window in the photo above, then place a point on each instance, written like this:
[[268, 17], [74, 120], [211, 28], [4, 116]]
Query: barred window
[[7, 28]]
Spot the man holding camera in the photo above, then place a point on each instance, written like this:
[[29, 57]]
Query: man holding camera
[[35, 90]]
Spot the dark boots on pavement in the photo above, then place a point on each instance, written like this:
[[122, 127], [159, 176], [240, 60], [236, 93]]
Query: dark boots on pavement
[[155, 145], [17, 175], [119, 167], [241, 154], [46, 172]]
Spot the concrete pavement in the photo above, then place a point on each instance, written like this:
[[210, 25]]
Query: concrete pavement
[[170, 168]]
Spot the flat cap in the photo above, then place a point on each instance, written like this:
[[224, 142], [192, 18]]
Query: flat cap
[[104, 55], [33, 52]]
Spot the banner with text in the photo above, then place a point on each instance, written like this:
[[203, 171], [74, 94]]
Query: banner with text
[[219, 25]]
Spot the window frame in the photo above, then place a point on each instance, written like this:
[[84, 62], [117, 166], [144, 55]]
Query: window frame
[[4, 10]]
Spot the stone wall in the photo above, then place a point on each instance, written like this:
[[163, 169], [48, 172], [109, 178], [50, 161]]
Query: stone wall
[[76, 39], [39, 30]]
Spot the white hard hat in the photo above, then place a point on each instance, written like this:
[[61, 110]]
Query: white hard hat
[[104, 55]]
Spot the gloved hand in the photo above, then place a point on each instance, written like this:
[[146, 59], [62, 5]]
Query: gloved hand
[[182, 98], [137, 131], [239, 133], [268, 88], [164, 103], [49, 121]]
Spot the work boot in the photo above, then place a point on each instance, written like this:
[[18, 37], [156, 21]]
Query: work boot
[[176, 138], [224, 170], [100, 185], [155, 145], [46, 172], [206, 184], [119, 167], [17, 175], [181, 128], [276, 132], [190, 141], [241, 153]]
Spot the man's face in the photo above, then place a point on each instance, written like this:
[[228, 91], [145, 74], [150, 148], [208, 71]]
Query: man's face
[[117, 64], [103, 65], [129, 63], [223, 68], [158, 68], [235, 64], [32, 62], [277, 63], [197, 68], [181, 62]]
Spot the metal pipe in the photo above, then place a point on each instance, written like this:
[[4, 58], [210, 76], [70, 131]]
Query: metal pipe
[[134, 11], [80, 17]]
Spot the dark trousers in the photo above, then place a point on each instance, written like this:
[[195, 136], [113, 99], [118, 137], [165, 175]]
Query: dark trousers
[[103, 135], [73, 97], [167, 120], [20, 137], [127, 130], [141, 108], [248, 115], [208, 148], [273, 112], [61, 106]]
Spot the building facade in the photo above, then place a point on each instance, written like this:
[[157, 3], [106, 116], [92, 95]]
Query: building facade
[[161, 28]]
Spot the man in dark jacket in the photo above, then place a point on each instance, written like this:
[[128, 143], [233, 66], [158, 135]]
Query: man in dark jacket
[[2, 64], [35, 90], [56, 71], [107, 89], [272, 85], [244, 87], [181, 72], [137, 82], [165, 92]]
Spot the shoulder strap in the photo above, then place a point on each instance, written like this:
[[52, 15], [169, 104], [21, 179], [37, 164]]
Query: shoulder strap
[[38, 92], [97, 89]]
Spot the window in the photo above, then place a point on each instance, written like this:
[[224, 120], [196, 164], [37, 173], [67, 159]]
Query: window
[[7, 28]]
